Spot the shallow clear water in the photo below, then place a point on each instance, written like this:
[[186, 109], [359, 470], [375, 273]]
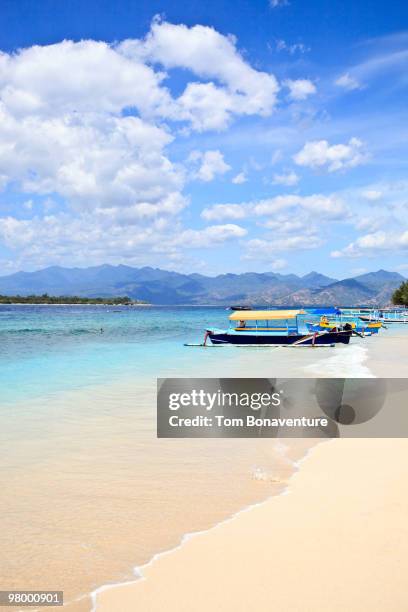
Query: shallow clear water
[[45, 349]]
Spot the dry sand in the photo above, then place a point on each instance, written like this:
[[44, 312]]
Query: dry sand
[[388, 354], [337, 541]]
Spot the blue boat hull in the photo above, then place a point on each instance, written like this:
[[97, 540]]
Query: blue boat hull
[[367, 331], [248, 339]]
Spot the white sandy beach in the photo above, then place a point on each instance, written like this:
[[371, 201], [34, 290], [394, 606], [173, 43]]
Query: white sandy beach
[[388, 354], [337, 541]]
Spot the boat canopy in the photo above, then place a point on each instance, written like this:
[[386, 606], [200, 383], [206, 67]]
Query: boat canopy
[[264, 315]]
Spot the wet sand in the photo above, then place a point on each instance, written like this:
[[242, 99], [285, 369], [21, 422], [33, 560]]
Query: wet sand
[[337, 541]]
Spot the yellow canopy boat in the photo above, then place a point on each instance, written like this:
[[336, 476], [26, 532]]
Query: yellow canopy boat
[[265, 315]]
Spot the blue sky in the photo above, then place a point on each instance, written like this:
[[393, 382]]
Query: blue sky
[[209, 137]]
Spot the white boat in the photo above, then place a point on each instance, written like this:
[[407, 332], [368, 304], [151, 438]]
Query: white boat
[[387, 315]]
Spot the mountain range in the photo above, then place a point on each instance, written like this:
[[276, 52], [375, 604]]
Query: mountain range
[[165, 287]]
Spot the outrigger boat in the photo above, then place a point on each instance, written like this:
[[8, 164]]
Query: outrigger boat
[[388, 315], [383, 315], [337, 323], [273, 327]]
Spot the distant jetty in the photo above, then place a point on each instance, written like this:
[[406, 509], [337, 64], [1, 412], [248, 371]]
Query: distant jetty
[[70, 300]]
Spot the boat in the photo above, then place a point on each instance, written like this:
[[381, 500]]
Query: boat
[[239, 308], [387, 315], [273, 328], [396, 315], [366, 328]]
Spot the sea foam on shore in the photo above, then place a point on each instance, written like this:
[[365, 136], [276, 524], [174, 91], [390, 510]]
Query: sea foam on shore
[[338, 541]]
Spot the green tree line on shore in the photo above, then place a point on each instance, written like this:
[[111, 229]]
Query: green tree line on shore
[[67, 299], [400, 295]]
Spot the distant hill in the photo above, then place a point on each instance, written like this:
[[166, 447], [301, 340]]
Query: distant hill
[[163, 287]]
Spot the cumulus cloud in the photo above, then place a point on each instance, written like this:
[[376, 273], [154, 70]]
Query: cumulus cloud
[[211, 164], [329, 207], [92, 161], [348, 82], [212, 56], [62, 124], [85, 76], [79, 239], [277, 3], [320, 154], [292, 221], [300, 89], [326, 206], [85, 129], [205, 106], [63, 130], [90, 240], [370, 244]]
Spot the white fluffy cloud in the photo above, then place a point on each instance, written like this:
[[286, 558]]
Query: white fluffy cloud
[[63, 131], [82, 239], [320, 154], [90, 160], [87, 135], [91, 240], [210, 164], [239, 88], [85, 76], [62, 125], [371, 244], [300, 89], [329, 207], [85, 129], [205, 106], [325, 206]]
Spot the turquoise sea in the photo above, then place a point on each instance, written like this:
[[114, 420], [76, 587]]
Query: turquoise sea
[[47, 349]]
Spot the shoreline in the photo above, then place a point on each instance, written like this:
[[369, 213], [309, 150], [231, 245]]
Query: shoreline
[[138, 570], [344, 554]]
